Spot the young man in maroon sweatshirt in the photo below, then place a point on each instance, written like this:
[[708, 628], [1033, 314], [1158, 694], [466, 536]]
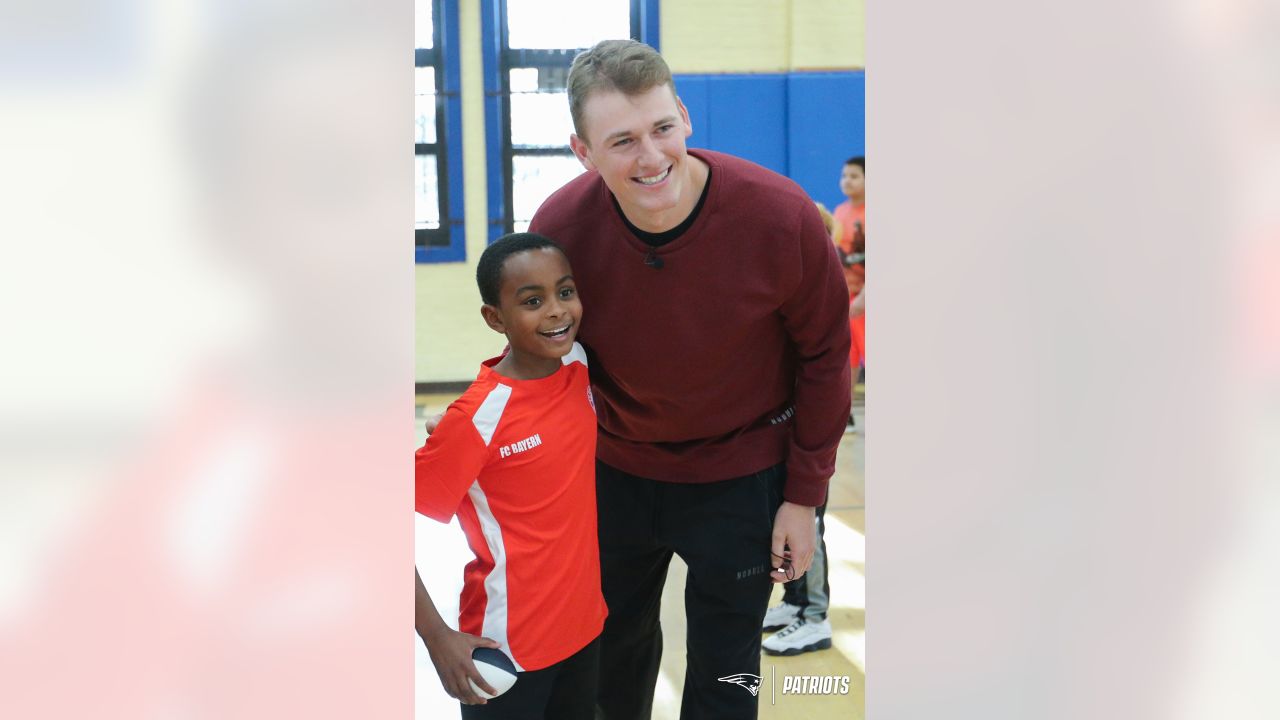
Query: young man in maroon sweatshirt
[[719, 344]]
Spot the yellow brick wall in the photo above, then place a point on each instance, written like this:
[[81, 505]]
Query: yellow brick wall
[[828, 34], [746, 36], [712, 36]]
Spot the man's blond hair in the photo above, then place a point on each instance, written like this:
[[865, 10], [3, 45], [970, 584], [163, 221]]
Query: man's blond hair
[[625, 66]]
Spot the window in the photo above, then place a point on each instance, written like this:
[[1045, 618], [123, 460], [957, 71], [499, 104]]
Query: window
[[526, 66], [438, 230]]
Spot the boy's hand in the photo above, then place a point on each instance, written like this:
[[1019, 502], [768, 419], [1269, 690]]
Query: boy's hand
[[433, 422], [450, 652]]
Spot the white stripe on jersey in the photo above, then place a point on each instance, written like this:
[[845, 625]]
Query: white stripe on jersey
[[490, 411], [495, 585], [576, 354]]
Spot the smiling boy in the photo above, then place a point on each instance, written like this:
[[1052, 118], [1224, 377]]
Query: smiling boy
[[513, 458]]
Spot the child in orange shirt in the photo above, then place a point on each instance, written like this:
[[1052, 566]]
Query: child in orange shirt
[[850, 239], [514, 459]]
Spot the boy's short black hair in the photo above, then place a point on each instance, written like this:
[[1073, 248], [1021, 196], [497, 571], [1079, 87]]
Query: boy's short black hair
[[489, 271], [858, 160]]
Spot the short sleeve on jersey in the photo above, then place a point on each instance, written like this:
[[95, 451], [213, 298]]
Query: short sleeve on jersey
[[448, 464]]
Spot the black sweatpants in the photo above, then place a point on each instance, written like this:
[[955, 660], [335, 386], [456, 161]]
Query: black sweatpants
[[723, 532], [564, 691]]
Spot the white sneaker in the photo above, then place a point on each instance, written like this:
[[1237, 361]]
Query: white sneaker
[[780, 616], [799, 637]]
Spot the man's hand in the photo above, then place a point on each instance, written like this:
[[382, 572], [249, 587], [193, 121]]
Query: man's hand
[[793, 529], [433, 422], [450, 652]]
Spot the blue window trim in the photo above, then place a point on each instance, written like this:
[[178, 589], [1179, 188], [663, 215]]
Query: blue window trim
[[648, 21], [644, 13], [491, 23], [451, 91]]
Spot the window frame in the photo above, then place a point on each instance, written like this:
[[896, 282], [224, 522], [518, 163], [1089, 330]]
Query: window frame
[[499, 60], [446, 243]]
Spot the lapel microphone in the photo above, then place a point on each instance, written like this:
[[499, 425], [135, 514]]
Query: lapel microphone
[[653, 261]]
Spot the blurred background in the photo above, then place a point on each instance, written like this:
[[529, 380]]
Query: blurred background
[[208, 302]]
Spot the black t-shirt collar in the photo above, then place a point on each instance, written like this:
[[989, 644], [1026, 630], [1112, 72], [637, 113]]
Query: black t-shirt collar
[[662, 238]]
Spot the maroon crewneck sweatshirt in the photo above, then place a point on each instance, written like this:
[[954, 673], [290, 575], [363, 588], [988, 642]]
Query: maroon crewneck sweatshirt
[[730, 357]]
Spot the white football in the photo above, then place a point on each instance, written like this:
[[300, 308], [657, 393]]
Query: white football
[[497, 670]]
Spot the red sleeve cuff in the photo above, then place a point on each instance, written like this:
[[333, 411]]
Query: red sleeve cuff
[[810, 492]]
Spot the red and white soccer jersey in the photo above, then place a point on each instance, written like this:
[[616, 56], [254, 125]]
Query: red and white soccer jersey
[[515, 461]]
